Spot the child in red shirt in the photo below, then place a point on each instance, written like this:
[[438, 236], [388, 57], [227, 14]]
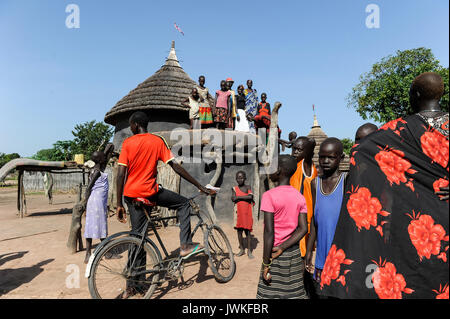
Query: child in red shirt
[[242, 197]]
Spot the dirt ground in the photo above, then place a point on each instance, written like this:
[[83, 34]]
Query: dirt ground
[[35, 262]]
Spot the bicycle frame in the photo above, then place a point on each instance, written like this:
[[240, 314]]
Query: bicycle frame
[[151, 222]]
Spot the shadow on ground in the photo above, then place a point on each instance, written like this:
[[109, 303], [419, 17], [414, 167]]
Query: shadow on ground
[[11, 279], [200, 261], [63, 211], [11, 256]]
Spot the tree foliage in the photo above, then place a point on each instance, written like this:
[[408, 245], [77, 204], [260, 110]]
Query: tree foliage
[[5, 158], [348, 144], [88, 137], [383, 93]]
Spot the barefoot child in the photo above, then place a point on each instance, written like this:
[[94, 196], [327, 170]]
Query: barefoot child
[[328, 192], [242, 197], [285, 224], [96, 200], [193, 102]]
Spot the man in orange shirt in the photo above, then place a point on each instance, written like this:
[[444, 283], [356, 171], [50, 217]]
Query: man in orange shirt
[[303, 150], [138, 161]]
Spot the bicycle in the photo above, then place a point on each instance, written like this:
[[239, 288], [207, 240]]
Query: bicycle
[[114, 260]]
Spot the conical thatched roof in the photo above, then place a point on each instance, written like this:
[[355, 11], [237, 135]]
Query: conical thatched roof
[[319, 135], [166, 89]]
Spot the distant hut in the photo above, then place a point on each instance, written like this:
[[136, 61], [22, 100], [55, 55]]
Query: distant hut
[[319, 135], [160, 96]]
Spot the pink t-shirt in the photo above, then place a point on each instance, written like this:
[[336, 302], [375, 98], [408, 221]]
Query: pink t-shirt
[[222, 98], [286, 203]]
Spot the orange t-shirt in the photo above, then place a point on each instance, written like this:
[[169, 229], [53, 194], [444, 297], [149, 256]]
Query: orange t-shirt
[[140, 154], [296, 181]]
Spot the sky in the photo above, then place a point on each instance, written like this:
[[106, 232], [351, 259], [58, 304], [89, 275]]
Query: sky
[[298, 52]]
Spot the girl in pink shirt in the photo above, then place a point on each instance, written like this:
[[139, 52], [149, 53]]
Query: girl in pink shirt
[[285, 225], [222, 105]]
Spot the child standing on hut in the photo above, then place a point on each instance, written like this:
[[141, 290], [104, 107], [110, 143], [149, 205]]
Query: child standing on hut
[[193, 103], [204, 110], [328, 193], [96, 200], [222, 106], [263, 113], [242, 197], [242, 124], [285, 224]]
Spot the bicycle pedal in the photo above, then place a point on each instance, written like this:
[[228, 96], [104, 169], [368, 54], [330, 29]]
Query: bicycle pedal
[[195, 252]]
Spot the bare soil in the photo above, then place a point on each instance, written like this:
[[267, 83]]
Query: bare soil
[[35, 262]]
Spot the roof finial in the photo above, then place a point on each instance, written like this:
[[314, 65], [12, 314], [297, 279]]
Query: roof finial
[[172, 58], [315, 123]]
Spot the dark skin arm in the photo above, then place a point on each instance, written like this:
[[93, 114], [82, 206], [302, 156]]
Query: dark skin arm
[[272, 253], [269, 236], [312, 234], [444, 193], [121, 173], [235, 199], [94, 177], [185, 103]]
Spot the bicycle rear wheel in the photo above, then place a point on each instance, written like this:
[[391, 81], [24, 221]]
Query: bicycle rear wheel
[[123, 264], [220, 254]]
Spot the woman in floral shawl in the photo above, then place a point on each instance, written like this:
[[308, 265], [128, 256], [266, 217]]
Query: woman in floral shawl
[[251, 103], [392, 236]]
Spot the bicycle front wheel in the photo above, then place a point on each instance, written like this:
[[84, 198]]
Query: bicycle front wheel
[[124, 266], [220, 254]]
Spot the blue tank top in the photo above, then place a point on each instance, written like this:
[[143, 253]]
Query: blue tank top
[[326, 214]]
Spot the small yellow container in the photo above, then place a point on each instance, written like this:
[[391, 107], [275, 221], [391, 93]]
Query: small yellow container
[[79, 158]]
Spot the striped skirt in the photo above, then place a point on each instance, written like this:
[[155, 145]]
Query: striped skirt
[[287, 277]]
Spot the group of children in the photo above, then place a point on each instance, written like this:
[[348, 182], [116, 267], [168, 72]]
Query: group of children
[[305, 220], [239, 111]]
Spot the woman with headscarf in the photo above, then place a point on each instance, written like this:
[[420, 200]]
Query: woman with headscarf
[[251, 103], [392, 236]]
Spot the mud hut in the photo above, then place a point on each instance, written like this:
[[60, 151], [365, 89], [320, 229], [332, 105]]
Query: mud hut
[[160, 97]]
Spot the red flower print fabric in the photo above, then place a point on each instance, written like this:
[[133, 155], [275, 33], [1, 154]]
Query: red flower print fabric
[[364, 209], [395, 166], [426, 236], [332, 268], [442, 293], [435, 146], [391, 214], [389, 284]]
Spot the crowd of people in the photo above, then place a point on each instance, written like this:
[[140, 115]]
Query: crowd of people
[[380, 231], [239, 111], [323, 229]]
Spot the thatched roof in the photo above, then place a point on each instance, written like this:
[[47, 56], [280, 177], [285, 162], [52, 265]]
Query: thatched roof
[[319, 135], [166, 89]]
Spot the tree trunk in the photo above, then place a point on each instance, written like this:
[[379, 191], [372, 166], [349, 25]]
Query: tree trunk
[[21, 200], [218, 160], [75, 229], [272, 143]]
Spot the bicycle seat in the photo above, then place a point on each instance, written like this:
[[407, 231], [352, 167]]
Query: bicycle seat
[[144, 201]]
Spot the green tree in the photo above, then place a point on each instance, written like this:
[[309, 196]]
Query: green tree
[[383, 93], [89, 136], [347, 143], [5, 158]]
